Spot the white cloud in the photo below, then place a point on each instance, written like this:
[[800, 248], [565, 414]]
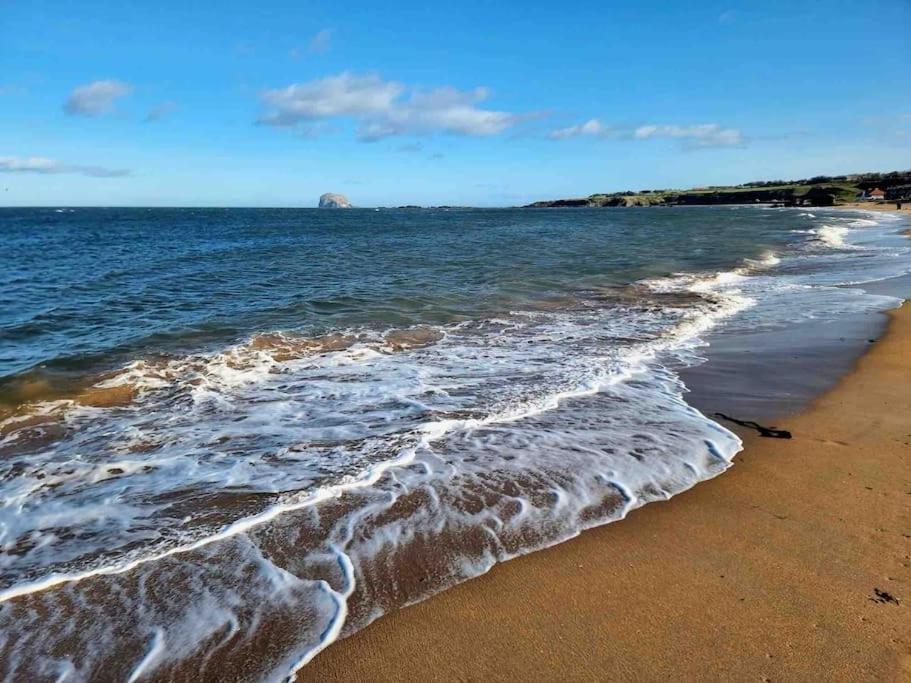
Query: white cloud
[[160, 111], [590, 127], [381, 108], [321, 41], [96, 98], [51, 166], [443, 109], [701, 135], [343, 95]]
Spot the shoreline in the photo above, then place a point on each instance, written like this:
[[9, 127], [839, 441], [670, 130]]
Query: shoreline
[[784, 567]]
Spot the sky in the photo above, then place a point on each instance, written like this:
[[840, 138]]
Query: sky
[[469, 103]]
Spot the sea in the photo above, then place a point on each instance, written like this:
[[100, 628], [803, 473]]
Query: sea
[[230, 437]]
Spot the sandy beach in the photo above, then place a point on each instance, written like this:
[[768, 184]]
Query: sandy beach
[[877, 206], [793, 565]]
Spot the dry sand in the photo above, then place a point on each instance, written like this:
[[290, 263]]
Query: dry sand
[[793, 565], [876, 206]]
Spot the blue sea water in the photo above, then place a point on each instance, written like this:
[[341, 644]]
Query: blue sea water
[[93, 284], [218, 423]]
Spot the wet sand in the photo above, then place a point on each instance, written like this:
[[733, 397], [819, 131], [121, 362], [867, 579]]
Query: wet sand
[[793, 565]]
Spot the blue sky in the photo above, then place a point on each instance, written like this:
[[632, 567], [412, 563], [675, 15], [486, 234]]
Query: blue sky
[[273, 103]]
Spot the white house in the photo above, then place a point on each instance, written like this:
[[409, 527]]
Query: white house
[[876, 194]]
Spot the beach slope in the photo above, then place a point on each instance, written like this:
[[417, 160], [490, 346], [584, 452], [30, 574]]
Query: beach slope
[[793, 565]]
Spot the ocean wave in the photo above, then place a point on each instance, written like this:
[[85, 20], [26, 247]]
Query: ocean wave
[[832, 235], [427, 413], [283, 414]]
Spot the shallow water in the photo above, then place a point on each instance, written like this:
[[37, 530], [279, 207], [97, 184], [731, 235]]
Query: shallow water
[[228, 425]]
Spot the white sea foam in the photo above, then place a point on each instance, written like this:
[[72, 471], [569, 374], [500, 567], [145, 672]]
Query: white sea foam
[[832, 235], [768, 259]]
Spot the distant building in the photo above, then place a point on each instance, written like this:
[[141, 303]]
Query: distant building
[[876, 194]]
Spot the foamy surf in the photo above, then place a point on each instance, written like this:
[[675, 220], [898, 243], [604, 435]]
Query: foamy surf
[[832, 235], [548, 514], [248, 384]]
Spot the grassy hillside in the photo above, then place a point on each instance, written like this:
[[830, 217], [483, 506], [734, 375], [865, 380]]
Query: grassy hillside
[[816, 191]]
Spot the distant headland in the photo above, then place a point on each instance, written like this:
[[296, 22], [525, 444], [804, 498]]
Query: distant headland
[[816, 191]]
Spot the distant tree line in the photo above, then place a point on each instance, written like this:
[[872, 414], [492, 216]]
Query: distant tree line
[[865, 181]]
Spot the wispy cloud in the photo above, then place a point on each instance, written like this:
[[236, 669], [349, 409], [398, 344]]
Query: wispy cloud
[[592, 127], [160, 111], [699, 135], [384, 108], [96, 98], [51, 166], [321, 42]]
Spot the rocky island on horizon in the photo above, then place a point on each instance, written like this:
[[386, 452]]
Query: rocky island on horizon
[[333, 200]]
